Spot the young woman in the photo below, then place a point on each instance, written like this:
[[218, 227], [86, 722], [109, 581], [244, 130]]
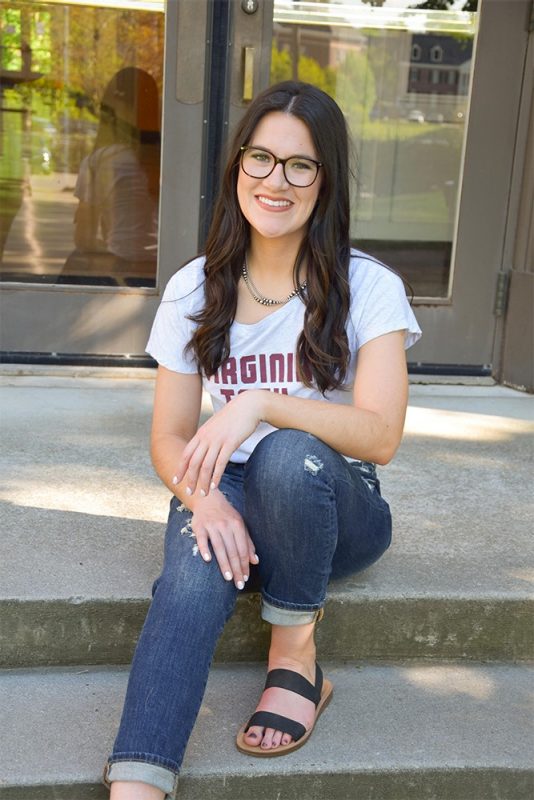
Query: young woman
[[300, 343]]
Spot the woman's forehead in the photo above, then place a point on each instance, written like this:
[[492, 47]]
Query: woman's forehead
[[284, 134]]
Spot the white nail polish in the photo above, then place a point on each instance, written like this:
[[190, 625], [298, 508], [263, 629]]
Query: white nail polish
[[245, 578], [202, 493], [206, 556], [228, 576], [212, 485], [189, 491], [174, 481], [240, 585]]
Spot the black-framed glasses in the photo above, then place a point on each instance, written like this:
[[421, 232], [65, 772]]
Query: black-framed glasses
[[256, 162]]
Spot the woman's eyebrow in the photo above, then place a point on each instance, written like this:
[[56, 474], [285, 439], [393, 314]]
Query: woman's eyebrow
[[293, 155]]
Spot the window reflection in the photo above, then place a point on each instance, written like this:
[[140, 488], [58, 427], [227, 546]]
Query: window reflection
[[400, 70], [79, 143]]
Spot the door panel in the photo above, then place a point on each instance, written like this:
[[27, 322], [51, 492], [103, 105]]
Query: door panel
[[433, 189], [84, 294]]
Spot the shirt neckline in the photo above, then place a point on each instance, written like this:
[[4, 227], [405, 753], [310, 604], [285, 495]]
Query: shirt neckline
[[277, 312]]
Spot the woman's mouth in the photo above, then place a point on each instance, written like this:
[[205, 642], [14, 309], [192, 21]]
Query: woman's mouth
[[270, 203]]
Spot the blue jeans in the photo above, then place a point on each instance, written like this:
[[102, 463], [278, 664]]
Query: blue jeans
[[312, 516]]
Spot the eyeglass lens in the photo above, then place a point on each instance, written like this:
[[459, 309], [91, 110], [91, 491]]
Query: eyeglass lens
[[260, 163]]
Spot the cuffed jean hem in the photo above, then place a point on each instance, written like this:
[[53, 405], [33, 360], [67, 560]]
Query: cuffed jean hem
[[287, 616], [160, 777]]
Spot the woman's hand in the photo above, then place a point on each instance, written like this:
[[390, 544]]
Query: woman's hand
[[205, 457], [216, 521]]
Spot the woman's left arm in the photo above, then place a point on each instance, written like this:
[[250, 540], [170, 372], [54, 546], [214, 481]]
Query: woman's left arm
[[370, 429]]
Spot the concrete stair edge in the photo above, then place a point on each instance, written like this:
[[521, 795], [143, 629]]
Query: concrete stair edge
[[63, 632]]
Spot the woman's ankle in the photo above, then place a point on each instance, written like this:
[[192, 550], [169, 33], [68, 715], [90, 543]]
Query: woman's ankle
[[293, 647], [135, 790]]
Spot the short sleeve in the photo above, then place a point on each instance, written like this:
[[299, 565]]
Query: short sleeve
[[380, 304], [171, 329]]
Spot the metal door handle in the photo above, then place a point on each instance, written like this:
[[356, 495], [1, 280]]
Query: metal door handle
[[248, 73]]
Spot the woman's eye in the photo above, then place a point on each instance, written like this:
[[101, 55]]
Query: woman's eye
[[264, 158], [301, 166]]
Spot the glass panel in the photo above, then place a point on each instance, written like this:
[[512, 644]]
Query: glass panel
[[400, 70], [80, 141]]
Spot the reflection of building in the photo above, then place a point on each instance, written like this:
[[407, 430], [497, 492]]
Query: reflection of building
[[438, 74]]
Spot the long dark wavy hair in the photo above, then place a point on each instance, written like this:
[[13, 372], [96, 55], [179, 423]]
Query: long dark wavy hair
[[322, 348]]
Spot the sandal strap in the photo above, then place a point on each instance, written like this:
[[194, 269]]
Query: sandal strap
[[266, 719], [287, 679]]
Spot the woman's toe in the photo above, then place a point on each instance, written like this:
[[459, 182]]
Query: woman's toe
[[267, 741], [286, 738], [254, 736], [277, 738]]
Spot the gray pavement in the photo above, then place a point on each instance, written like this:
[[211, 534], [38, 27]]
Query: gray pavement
[[78, 483]]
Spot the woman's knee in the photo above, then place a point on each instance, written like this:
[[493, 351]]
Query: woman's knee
[[284, 459]]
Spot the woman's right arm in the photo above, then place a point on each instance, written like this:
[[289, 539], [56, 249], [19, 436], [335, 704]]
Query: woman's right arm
[[177, 404]]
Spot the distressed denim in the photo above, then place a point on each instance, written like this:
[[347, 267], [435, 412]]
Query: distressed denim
[[312, 516]]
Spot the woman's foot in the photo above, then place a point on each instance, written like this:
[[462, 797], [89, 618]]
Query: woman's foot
[[291, 648]]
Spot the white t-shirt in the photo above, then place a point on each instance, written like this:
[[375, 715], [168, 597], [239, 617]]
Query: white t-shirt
[[262, 354], [112, 180]]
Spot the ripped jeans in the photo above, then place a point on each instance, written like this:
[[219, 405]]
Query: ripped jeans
[[312, 516]]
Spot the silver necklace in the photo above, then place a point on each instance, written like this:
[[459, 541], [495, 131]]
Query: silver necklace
[[259, 298]]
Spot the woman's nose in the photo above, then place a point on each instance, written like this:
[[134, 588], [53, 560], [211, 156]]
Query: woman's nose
[[277, 177]]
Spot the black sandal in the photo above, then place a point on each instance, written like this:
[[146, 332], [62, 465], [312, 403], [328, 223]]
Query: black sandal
[[320, 695]]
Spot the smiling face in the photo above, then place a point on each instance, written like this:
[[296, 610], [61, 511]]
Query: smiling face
[[273, 207]]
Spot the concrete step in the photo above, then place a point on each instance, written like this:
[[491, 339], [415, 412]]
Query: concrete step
[[444, 731], [363, 619], [83, 520]]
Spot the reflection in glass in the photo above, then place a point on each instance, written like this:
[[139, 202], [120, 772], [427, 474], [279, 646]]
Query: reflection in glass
[[79, 143], [401, 74]]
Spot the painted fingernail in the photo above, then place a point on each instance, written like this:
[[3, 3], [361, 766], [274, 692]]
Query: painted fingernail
[[189, 491], [174, 481], [228, 576], [202, 493], [213, 485], [245, 578], [255, 558], [206, 556], [240, 585]]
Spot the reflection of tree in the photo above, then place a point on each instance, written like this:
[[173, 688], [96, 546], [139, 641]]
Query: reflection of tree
[[355, 87], [108, 40], [77, 50], [352, 84], [309, 70]]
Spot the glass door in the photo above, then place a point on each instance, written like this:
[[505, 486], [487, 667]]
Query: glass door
[[83, 249], [430, 90]]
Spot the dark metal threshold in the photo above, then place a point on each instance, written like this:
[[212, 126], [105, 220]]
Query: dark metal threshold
[[76, 359], [96, 360]]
